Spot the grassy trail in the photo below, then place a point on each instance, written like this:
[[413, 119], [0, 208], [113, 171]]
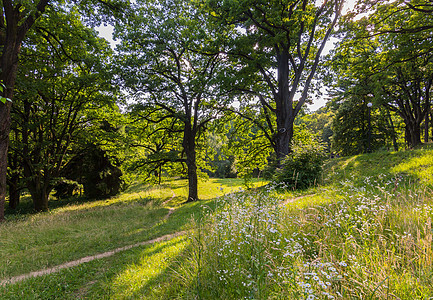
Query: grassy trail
[[87, 259]]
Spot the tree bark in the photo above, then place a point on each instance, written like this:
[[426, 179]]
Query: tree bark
[[9, 65], [39, 193], [283, 140], [190, 152], [393, 134], [284, 109], [192, 178], [413, 134], [4, 143]]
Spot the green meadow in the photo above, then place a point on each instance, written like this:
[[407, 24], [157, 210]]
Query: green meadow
[[364, 233]]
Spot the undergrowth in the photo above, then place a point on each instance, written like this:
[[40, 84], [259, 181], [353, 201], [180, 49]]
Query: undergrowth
[[375, 242]]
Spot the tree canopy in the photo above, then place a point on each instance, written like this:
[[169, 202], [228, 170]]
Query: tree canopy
[[198, 88]]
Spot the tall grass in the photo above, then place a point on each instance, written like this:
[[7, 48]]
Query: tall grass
[[373, 243]]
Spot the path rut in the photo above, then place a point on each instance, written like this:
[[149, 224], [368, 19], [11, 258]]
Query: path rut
[[94, 257]]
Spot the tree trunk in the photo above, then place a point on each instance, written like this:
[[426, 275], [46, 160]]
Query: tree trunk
[[284, 109], [5, 126], [413, 134], [189, 148], [39, 193], [9, 65], [393, 134], [283, 140], [14, 192], [4, 144], [192, 178]]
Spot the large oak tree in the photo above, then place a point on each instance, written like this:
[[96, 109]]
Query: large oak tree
[[61, 82], [162, 66], [277, 46]]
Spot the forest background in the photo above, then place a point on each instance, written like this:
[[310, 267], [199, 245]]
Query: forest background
[[202, 88]]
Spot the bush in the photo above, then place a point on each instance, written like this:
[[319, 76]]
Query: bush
[[66, 188], [302, 168]]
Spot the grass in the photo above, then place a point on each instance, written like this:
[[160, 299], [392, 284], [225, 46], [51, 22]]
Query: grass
[[36, 241], [125, 275], [416, 165], [366, 233]]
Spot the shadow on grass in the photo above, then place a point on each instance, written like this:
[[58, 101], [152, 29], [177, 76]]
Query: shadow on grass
[[411, 165], [26, 204], [26, 207], [123, 275]]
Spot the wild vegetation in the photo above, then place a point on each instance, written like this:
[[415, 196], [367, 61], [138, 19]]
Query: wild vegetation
[[182, 160], [365, 233]]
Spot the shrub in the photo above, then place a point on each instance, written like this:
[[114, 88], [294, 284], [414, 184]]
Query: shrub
[[302, 168], [66, 188]]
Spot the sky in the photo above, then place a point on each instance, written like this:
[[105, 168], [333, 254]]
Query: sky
[[107, 33]]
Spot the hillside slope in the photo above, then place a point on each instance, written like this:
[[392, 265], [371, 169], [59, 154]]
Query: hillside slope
[[365, 233]]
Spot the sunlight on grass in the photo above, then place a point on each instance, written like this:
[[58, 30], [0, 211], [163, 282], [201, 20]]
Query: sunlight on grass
[[76, 230], [356, 242], [420, 167], [50, 239], [139, 278]]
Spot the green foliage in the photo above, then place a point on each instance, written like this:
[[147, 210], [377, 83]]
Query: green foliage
[[62, 94], [302, 168], [320, 124], [3, 99], [102, 179], [354, 135], [245, 145], [276, 47], [390, 62], [66, 188]]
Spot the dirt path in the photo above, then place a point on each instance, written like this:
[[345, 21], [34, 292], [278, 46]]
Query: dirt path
[[172, 197], [87, 259], [290, 200], [98, 256]]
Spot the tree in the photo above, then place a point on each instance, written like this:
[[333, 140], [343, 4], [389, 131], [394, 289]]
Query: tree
[[277, 46], [352, 133], [15, 21], [319, 122], [161, 64], [61, 80], [395, 68], [17, 17]]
